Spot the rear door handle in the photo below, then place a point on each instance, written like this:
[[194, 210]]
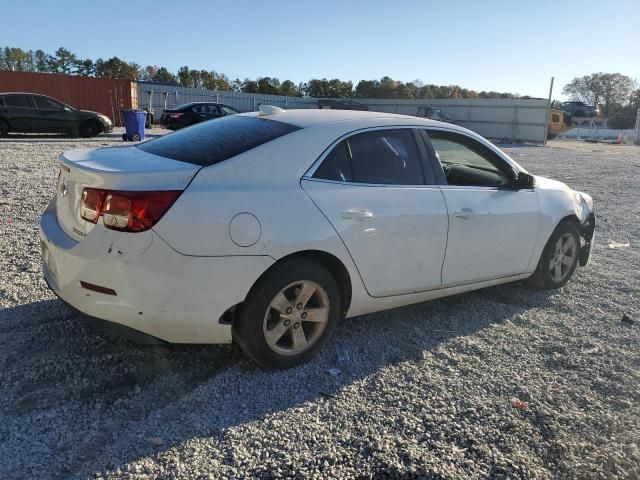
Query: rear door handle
[[465, 214], [355, 213]]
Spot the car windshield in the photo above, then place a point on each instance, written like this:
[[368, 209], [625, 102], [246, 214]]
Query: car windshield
[[211, 142]]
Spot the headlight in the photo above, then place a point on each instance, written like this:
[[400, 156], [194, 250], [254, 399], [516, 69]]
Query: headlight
[[105, 119]]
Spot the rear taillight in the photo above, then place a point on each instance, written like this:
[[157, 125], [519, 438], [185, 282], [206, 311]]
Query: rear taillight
[[176, 115], [126, 211]]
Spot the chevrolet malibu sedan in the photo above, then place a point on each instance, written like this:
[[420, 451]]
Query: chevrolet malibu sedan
[[267, 228]]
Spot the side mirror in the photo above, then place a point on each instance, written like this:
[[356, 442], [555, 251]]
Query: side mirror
[[524, 181]]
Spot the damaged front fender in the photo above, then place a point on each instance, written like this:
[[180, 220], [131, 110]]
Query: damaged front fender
[[587, 231]]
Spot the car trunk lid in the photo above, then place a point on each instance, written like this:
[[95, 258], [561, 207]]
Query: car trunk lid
[[125, 168]]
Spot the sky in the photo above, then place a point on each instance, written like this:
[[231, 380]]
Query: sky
[[511, 46]]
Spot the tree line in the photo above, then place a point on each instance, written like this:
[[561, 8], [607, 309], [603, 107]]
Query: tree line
[[66, 62], [617, 95]]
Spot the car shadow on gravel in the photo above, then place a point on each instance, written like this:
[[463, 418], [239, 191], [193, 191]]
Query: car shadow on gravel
[[126, 401]]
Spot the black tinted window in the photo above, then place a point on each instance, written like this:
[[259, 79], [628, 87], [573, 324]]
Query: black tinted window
[[336, 165], [17, 101], [211, 142], [386, 157], [47, 103]]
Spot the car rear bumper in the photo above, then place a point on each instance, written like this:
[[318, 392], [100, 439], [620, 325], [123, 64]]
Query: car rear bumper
[[159, 292]]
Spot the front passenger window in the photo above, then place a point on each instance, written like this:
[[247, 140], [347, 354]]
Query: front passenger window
[[467, 162]]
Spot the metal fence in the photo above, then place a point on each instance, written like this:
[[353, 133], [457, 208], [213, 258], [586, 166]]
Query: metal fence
[[507, 120], [157, 97]]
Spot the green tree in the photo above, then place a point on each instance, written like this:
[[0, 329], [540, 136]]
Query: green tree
[[237, 85], [162, 75], [184, 78], [249, 86], [62, 61], [147, 72], [605, 89], [116, 68], [84, 68], [40, 61], [323, 88], [289, 88], [196, 81]]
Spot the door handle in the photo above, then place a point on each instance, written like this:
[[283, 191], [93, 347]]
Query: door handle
[[465, 214], [355, 213]]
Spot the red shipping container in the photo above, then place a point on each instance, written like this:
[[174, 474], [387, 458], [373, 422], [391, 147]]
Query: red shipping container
[[108, 96]]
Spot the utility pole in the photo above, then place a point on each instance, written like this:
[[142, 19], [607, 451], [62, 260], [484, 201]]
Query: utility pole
[[546, 120], [636, 138]]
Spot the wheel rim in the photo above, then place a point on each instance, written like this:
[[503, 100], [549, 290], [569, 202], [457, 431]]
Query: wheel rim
[[563, 257], [296, 317]]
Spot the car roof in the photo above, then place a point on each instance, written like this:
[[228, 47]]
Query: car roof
[[25, 93], [304, 118], [190, 104]]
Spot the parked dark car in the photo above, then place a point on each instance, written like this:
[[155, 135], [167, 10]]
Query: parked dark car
[[434, 113], [192, 113], [35, 113], [578, 109]]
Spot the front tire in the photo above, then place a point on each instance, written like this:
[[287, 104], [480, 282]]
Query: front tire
[[90, 128], [559, 258], [288, 315], [4, 128]]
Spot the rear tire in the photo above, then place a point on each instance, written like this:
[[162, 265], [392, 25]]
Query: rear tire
[[90, 128], [559, 258], [4, 128], [288, 315]]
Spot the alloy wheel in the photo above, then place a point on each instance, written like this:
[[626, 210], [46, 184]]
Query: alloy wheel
[[563, 257], [296, 317]]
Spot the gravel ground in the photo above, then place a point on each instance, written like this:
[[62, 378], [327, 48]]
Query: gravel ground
[[499, 383]]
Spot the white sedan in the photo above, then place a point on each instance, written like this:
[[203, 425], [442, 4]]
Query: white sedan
[[267, 228]]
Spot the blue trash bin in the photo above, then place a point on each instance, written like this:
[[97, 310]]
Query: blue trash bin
[[134, 121]]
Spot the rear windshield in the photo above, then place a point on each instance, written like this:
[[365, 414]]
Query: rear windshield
[[212, 142]]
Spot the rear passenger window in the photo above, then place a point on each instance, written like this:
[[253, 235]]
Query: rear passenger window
[[17, 101], [386, 157], [336, 165], [46, 103]]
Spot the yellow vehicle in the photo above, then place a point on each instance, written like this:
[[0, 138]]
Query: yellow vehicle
[[558, 122]]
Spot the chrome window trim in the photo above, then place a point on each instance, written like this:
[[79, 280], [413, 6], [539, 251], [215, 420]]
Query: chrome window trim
[[308, 175], [377, 185]]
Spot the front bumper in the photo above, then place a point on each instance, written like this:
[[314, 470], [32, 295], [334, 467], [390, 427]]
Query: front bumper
[[159, 292], [587, 232]]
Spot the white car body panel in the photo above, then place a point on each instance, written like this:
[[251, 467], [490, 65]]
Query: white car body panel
[[197, 261], [160, 292], [408, 224], [490, 232]]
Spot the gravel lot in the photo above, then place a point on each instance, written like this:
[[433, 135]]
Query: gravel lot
[[430, 390]]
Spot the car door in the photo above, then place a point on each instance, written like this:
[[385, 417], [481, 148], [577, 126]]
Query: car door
[[52, 115], [21, 113], [379, 192], [493, 227]]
